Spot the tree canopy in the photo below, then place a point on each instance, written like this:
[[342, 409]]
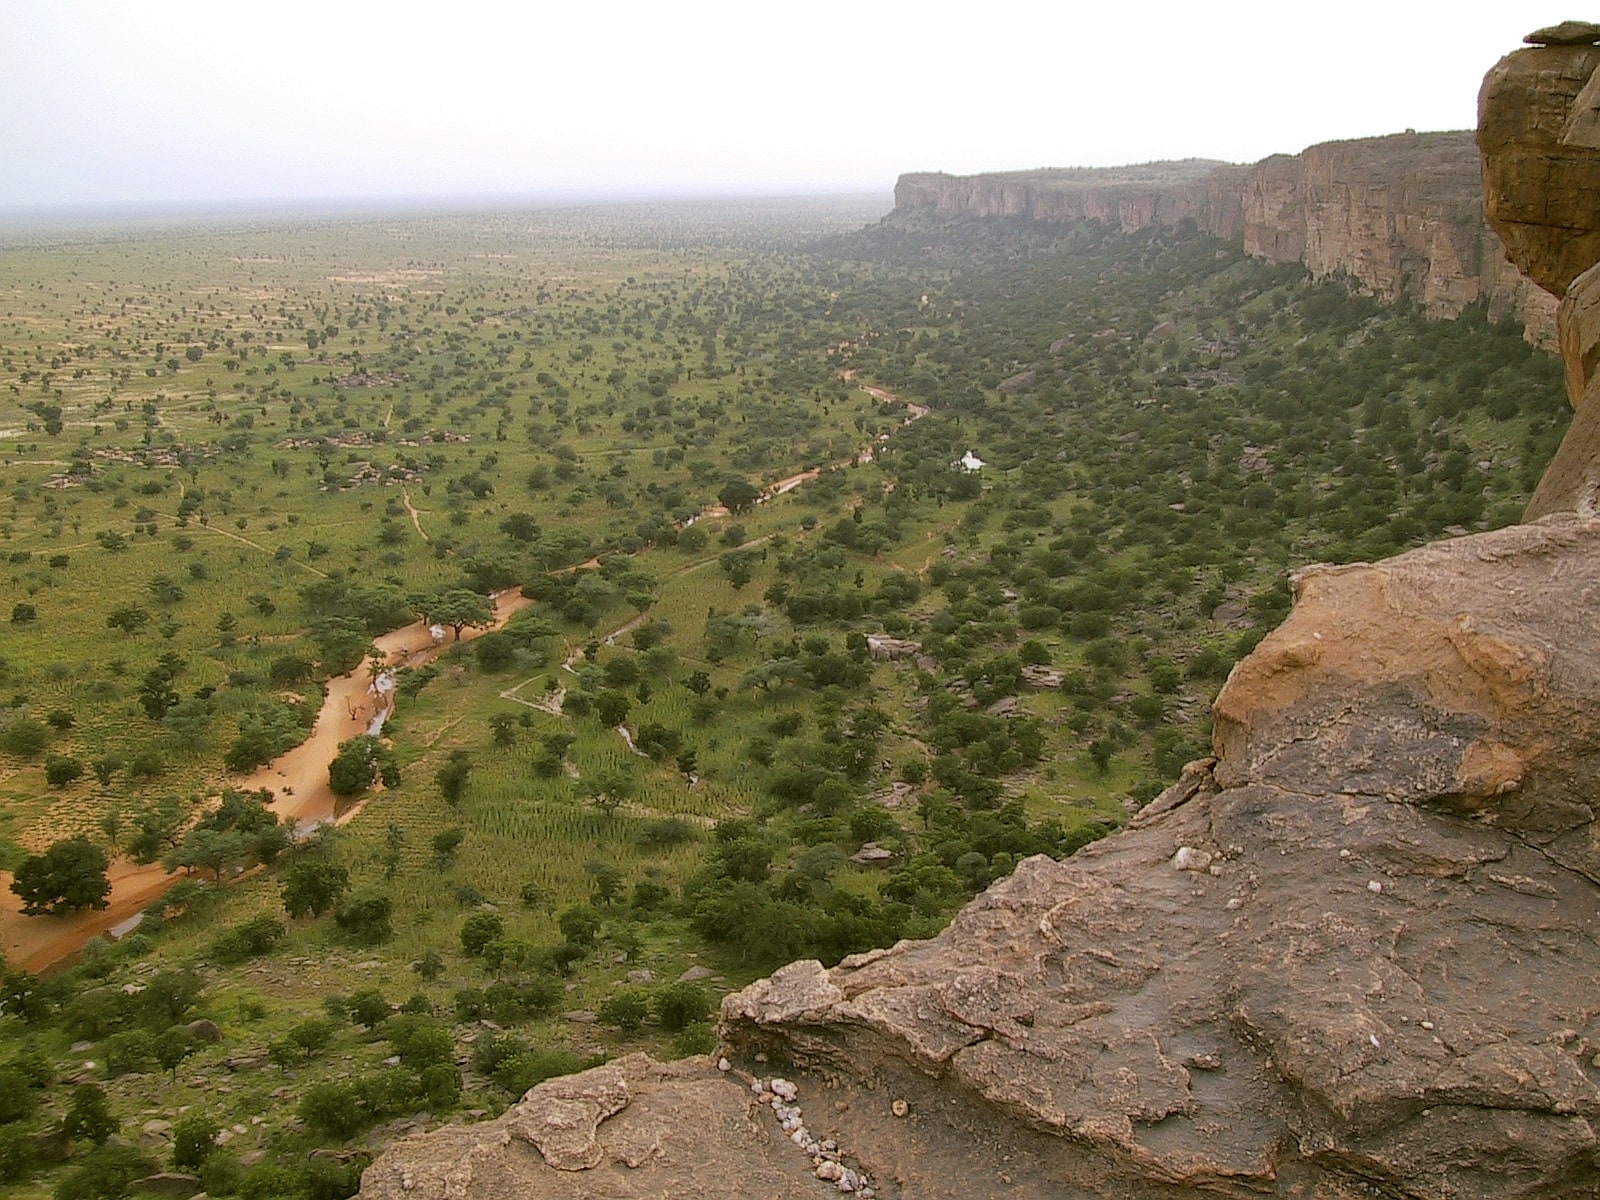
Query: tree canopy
[[70, 874], [458, 608]]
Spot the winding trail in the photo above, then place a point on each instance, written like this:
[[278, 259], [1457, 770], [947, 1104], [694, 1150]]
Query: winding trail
[[299, 779], [416, 519]]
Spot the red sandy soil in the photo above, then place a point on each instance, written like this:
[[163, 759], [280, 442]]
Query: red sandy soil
[[299, 780]]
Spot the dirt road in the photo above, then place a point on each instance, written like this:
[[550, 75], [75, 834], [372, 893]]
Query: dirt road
[[299, 779]]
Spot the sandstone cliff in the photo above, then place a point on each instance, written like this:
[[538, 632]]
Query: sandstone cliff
[[1539, 130], [1352, 955], [1403, 216]]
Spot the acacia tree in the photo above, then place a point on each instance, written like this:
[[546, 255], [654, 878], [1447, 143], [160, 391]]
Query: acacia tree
[[360, 763], [70, 874], [455, 607], [313, 886], [607, 790], [738, 494]]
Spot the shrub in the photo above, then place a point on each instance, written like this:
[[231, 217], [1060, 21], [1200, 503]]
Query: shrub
[[17, 1098], [194, 1137], [259, 935], [479, 930], [367, 919], [89, 1116], [221, 1172], [420, 1041], [440, 1084], [17, 1153], [580, 925], [128, 1052], [625, 1009], [105, 1173], [313, 886], [695, 1038], [334, 1109], [531, 1067], [681, 1004], [368, 1007], [23, 736]]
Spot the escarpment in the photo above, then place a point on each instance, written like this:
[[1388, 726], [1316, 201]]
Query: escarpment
[[1351, 955], [1539, 130], [1402, 216]]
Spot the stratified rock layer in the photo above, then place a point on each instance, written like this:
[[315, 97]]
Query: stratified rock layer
[[1403, 216], [1539, 130]]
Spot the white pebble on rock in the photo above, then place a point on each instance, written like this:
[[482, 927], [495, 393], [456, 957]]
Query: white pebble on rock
[[1189, 859]]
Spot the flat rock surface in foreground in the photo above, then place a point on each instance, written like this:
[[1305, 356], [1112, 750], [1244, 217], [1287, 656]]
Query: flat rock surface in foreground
[[634, 1127]]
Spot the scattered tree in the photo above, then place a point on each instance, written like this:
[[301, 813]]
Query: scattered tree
[[70, 874]]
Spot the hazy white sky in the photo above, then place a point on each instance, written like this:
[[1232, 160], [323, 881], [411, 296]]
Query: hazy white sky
[[131, 101]]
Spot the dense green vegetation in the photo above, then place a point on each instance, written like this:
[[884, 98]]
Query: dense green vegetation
[[718, 737]]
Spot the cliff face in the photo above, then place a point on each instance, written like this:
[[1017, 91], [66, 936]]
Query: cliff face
[[1539, 130], [1403, 215]]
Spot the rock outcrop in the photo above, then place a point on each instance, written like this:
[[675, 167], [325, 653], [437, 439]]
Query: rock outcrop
[[1352, 955], [1403, 216], [1539, 131]]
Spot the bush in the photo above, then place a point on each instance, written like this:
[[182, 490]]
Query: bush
[[478, 930], [259, 935], [580, 925], [194, 1137], [23, 736], [367, 919], [221, 1172], [679, 1005], [312, 1035], [530, 1067], [441, 1086], [313, 886], [334, 1109], [420, 1041], [17, 1153], [89, 1116], [624, 1010], [128, 1052], [18, 1099], [105, 1173], [269, 1181], [695, 1038], [61, 770], [368, 1007]]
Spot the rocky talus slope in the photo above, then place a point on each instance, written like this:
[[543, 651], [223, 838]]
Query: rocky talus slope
[[1352, 955], [1402, 215]]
